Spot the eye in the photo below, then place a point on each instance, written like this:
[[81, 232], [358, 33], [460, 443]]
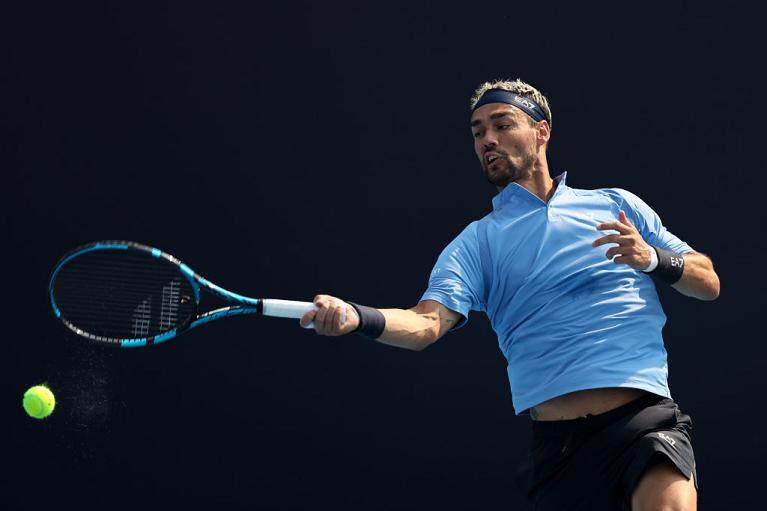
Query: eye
[[476, 134], [504, 126]]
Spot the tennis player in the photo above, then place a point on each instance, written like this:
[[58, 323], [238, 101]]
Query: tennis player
[[568, 279]]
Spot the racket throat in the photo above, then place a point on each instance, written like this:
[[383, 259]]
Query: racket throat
[[224, 312]]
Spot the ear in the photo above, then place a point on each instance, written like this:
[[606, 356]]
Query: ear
[[543, 131]]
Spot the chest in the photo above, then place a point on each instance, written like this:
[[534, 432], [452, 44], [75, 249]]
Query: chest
[[550, 240]]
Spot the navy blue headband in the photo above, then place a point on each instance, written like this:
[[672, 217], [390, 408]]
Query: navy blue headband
[[525, 104]]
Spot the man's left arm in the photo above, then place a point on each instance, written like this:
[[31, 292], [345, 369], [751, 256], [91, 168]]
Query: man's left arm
[[698, 278]]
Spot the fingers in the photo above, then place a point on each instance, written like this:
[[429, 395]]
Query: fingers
[[335, 319], [307, 319], [610, 238], [627, 232], [323, 304], [330, 311], [616, 226], [339, 316], [625, 245], [623, 225], [629, 247], [621, 241], [625, 255], [623, 251], [326, 321], [624, 219], [631, 250]]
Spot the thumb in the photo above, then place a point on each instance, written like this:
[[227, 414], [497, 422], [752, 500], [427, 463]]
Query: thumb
[[307, 319], [624, 219]]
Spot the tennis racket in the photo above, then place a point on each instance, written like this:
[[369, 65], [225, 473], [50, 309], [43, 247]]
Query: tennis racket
[[130, 295]]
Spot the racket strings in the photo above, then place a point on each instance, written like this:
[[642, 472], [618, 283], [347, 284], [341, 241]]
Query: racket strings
[[119, 294]]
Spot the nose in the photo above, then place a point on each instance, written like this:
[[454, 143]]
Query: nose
[[488, 140]]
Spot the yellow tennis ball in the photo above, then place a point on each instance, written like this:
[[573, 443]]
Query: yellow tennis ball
[[39, 402]]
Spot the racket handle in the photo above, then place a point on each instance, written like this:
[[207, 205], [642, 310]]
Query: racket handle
[[286, 308], [290, 309]]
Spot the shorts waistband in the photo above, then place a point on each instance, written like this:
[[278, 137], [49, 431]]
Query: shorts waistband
[[594, 422]]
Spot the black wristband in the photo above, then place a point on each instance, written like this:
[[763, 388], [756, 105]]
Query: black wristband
[[372, 322], [670, 266]]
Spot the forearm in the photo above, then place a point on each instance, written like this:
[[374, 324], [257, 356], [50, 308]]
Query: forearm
[[413, 329], [699, 279], [410, 329]]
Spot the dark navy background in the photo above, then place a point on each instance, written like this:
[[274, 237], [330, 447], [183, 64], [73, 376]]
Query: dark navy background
[[302, 147]]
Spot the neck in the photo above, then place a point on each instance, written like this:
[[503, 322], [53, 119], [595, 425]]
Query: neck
[[538, 181]]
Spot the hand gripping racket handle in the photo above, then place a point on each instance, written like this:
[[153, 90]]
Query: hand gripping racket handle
[[290, 309]]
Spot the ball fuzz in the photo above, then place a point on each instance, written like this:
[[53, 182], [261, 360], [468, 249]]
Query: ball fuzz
[[39, 402]]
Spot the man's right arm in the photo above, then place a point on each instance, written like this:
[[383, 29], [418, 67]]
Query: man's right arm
[[413, 328]]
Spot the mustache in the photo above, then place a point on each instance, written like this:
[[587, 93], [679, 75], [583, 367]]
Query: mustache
[[497, 151]]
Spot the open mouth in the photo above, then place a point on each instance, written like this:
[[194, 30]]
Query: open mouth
[[491, 158]]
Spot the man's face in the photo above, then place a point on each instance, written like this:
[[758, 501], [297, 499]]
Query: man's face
[[504, 141]]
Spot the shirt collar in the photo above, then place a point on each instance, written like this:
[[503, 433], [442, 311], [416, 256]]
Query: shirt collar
[[512, 190]]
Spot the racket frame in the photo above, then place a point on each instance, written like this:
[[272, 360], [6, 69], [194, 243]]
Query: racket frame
[[242, 304]]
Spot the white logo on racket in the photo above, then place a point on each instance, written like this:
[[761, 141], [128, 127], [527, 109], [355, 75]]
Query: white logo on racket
[[142, 315]]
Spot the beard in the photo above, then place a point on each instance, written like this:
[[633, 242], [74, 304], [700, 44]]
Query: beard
[[504, 171]]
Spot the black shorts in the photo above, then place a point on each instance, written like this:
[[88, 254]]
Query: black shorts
[[596, 462]]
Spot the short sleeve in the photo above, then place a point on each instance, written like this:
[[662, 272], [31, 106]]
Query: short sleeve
[[456, 280], [649, 224]]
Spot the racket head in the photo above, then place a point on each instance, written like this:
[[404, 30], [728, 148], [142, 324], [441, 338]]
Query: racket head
[[123, 293]]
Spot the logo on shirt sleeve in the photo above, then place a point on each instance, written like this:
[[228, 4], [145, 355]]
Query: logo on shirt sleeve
[[668, 439]]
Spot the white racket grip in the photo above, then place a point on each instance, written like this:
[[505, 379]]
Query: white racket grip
[[290, 309], [286, 308]]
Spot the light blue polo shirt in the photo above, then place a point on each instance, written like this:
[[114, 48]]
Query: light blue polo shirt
[[567, 318]]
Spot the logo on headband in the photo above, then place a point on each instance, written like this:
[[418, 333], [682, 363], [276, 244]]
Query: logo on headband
[[524, 102]]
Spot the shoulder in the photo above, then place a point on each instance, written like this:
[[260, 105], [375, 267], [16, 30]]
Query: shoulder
[[613, 194], [622, 197], [618, 195], [468, 236], [473, 228], [635, 207], [465, 240]]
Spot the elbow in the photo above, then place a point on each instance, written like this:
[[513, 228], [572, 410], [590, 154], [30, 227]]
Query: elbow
[[713, 284], [712, 290], [704, 284]]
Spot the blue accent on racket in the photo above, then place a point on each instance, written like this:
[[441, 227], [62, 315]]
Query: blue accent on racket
[[126, 294]]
